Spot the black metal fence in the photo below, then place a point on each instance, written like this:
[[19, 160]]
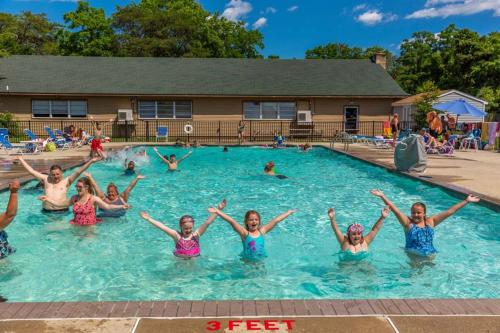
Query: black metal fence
[[205, 131]]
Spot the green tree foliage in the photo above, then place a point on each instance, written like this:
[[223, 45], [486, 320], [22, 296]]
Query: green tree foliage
[[27, 33], [89, 32], [429, 96], [181, 28], [492, 96]]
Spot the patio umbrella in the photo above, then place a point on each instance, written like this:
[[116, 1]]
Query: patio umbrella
[[459, 107]]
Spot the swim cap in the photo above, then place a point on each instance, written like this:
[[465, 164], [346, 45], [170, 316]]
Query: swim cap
[[355, 227]]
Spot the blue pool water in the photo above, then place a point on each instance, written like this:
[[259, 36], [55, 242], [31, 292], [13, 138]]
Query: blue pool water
[[129, 259]]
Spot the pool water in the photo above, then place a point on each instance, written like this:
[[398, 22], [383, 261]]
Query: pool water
[[129, 259]]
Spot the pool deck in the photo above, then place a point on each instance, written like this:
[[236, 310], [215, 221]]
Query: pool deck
[[466, 172]]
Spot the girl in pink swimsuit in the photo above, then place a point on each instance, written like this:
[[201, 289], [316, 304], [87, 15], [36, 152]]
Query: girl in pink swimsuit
[[84, 203], [187, 242]]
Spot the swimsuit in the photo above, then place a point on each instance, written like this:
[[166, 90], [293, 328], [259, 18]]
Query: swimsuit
[[5, 248], [394, 128], [254, 247], [55, 211], [96, 144], [113, 212], [419, 240], [129, 172], [187, 248], [84, 214]]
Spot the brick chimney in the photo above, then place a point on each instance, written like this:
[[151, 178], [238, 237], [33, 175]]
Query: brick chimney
[[380, 58]]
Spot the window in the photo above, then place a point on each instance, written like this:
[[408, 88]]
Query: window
[[58, 109], [270, 110], [351, 118], [165, 109]]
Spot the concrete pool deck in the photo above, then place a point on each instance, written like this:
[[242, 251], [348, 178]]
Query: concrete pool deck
[[469, 171]]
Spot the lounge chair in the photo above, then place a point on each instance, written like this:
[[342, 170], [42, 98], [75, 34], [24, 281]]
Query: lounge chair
[[6, 146], [162, 132], [60, 143], [473, 139], [34, 145]]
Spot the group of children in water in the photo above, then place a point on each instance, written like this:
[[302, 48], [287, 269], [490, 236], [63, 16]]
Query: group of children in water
[[418, 227]]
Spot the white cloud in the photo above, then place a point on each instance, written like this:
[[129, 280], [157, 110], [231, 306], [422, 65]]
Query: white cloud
[[268, 10], [236, 9], [293, 8], [373, 17], [359, 7], [259, 23], [445, 8]]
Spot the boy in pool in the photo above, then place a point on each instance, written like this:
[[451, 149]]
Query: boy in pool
[[270, 171], [187, 242], [171, 161], [354, 241], [419, 228], [130, 168]]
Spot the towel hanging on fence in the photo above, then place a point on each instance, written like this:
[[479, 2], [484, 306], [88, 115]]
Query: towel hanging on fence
[[493, 131]]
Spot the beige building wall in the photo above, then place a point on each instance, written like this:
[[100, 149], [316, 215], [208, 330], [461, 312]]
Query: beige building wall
[[216, 108]]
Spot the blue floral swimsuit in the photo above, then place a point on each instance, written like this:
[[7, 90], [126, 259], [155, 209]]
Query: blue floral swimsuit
[[419, 240], [5, 248], [254, 247]]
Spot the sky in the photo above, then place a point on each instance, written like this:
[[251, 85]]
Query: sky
[[290, 27]]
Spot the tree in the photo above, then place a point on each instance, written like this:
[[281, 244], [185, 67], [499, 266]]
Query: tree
[[89, 32], [181, 28], [27, 33], [335, 51], [429, 96], [492, 96]]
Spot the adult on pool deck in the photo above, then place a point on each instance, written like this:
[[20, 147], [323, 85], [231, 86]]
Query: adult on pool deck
[[419, 228], [171, 161], [55, 186], [113, 196], [6, 218], [84, 203]]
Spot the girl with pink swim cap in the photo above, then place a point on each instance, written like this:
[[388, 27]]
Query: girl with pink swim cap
[[187, 242], [354, 242]]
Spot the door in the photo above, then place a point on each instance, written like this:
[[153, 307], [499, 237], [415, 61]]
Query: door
[[351, 118]]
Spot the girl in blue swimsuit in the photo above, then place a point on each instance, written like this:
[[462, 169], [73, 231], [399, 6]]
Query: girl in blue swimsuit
[[419, 228], [6, 218], [252, 235]]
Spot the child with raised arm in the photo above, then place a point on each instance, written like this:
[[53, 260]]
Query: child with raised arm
[[252, 235], [354, 241], [187, 242], [6, 218], [171, 161], [419, 228]]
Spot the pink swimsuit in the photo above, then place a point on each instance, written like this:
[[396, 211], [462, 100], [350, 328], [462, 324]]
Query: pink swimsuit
[[84, 214], [187, 248]]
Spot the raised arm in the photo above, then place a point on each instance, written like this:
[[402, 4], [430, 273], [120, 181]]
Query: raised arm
[[378, 225], [171, 232], [184, 157], [98, 191], [210, 219], [125, 194], [270, 226], [402, 218], [103, 205], [8, 216], [78, 172], [340, 236], [161, 157], [438, 218], [236, 226], [32, 171]]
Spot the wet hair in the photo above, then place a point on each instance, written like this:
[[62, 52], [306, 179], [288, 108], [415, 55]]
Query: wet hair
[[112, 185], [420, 204], [130, 163], [247, 216], [225, 149], [172, 155], [55, 167], [85, 181], [184, 217]]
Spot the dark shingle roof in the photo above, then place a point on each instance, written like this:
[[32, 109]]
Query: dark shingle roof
[[194, 76]]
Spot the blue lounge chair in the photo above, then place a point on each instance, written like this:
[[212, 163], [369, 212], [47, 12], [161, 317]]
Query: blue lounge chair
[[7, 146], [59, 142], [33, 146], [162, 132]]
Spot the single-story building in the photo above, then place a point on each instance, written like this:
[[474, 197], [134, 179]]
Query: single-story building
[[47, 87], [407, 107]]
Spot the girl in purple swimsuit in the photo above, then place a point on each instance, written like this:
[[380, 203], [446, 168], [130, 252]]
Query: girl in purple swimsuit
[[187, 242]]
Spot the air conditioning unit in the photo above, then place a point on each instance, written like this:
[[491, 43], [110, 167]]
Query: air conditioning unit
[[125, 115], [304, 116]]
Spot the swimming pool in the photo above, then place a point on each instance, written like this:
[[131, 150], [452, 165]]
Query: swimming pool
[[129, 259]]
